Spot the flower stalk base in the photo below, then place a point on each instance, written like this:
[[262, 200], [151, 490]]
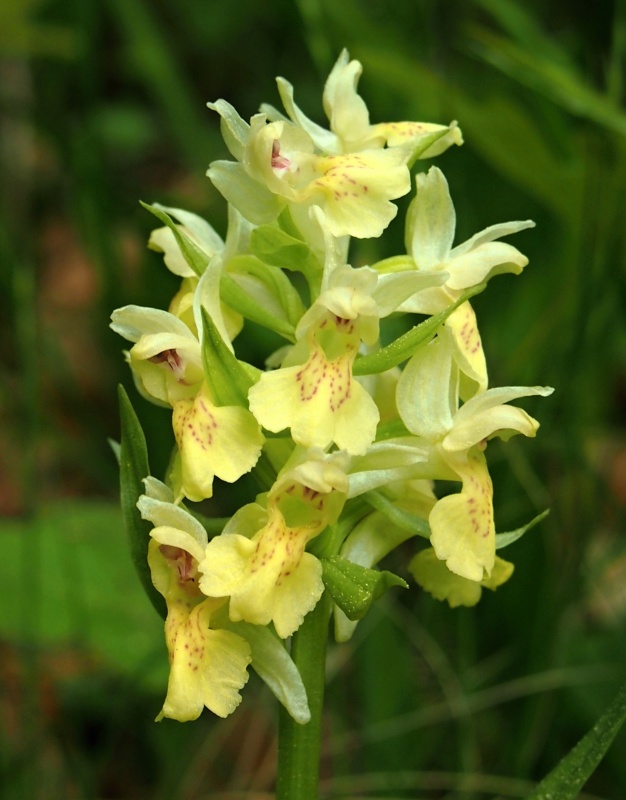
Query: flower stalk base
[[299, 745]]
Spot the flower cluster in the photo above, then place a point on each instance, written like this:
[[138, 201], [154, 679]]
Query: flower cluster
[[345, 436]]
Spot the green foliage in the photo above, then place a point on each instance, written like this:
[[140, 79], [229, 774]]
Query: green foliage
[[229, 379], [354, 588], [570, 775], [134, 468], [87, 597]]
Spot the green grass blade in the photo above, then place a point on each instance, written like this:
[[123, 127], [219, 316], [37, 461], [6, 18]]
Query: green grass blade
[[134, 467], [570, 775]]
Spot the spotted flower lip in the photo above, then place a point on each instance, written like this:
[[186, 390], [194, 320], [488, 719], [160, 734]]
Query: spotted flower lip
[[208, 667], [278, 166], [322, 401], [222, 441], [463, 531], [259, 560]]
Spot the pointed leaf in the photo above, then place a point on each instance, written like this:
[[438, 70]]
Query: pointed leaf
[[275, 246], [134, 468], [507, 538], [398, 516], [269, 286], [570, 775], [194, 255], [406, 345], [228, 378], [354, 588]]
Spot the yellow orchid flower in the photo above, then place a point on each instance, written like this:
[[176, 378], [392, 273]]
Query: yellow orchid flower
[[208, 667], [462, 526]]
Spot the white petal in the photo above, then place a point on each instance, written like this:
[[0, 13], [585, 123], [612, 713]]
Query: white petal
[[431, 221], [132, 322], [428, 389], [480, 263], [490, 234], [324, 140]]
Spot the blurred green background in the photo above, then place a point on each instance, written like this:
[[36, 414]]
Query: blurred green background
[[103, 104]]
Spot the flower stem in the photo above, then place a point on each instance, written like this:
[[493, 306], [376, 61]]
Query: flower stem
[[299, 745]]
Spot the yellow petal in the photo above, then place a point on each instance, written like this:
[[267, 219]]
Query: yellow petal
[[320, 401], [434, 576], [355, 191], [463, 533], [225, 441], [207, 667], [469, 350], [269, 578]]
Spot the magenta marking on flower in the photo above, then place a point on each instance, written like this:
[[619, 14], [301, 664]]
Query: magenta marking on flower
[[172, 360], [279, 163], [184, 564]]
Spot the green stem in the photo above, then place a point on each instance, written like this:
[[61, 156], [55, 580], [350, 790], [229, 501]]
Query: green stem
[[299, 745]]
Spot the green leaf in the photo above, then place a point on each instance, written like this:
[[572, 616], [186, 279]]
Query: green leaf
[[268, 285], [551, 77], [229, 380], [403, 519], [134, 467], [354, 588], [250, 308], [505, 539], [193, 255], [274, 246], [406, 345], [569, 776]]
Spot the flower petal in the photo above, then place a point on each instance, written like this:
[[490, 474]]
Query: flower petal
[[355, 191], [163, 513], [503, 421], [428, 388], [269, 578], [433, 576], [324, 140], [320, 401], [469, 353], [344, 107], [463, 533], [225, 441], [207, 667], [480, 263], [250, 197], [430, 221], [491, 233]]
